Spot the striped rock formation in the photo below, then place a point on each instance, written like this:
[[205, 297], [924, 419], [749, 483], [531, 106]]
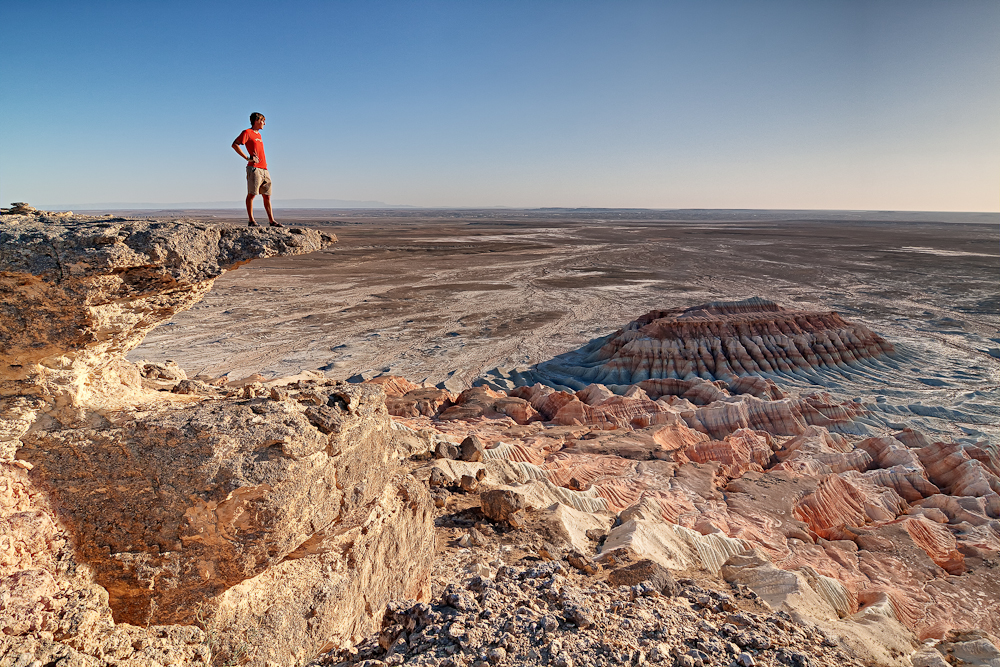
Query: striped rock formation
[[722, 341]]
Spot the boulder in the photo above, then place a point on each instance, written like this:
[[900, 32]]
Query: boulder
[[472, 448], [502, 504]]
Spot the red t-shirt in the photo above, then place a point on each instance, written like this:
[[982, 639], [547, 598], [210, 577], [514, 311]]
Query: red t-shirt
[[255, 146]]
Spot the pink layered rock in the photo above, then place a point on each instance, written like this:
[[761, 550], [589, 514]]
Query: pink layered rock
[[655, 442], [817, 452], [394, 385], [577, 413], [635, 411], [841, 502], [938, 542], [888, 452], [950, 467], [425, 401], [910, 484], [594, 394], [738, 453], [757, 386], [546, 400], [722, 418], [696, 390], [485, 402]]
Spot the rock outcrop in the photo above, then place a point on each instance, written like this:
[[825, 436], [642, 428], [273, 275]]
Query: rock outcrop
[[78, 294], [250, 525], [723, 341]]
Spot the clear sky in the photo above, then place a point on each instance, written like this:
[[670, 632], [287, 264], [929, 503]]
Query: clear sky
[[867, 104]]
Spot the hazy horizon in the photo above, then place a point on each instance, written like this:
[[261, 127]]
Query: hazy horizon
[[555, 213]]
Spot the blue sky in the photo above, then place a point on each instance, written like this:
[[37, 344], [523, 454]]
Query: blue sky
[[871, 104]]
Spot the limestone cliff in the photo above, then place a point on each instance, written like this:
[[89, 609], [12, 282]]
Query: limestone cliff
[[247, 529], [78, 294]]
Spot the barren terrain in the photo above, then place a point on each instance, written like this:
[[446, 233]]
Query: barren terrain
[[434, 294]]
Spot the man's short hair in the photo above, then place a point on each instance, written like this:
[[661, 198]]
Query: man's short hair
[[255, 116]]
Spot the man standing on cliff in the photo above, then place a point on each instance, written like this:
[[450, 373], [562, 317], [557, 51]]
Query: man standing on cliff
[[258, 180]]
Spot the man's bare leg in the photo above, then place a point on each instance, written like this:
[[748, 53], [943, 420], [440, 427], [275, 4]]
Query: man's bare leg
[[253, 223], [270, 216]]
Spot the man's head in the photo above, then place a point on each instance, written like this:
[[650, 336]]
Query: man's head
[[256, 120]]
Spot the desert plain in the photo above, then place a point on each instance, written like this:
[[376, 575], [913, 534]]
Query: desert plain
[[435, 296]]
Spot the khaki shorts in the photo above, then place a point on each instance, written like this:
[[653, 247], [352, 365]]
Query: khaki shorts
[[258, 181]]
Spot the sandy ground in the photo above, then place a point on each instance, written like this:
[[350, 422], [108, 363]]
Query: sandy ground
[[430, 294]]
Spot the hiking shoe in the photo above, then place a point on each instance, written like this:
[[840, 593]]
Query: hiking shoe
[[252, 224], [276, 224]]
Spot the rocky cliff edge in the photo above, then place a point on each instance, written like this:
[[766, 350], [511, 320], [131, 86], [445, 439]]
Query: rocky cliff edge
[[144, 528]]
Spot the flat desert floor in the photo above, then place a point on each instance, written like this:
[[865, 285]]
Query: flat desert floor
[[449, 295]]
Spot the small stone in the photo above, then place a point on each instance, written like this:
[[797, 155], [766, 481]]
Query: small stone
[[549, 552], [468, 483], [745, 660], [582, 562], [253, 390], [549, 623], [437, 477], [388, 636], [579, 616], [446, 450], [596, 534], [455, 630], [480, 570], [642, 571], [800, 660], [495, 655], [563, 660], [517, 519], [659, 653]]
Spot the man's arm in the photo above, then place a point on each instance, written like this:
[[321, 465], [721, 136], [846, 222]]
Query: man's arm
[[237, 147]]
